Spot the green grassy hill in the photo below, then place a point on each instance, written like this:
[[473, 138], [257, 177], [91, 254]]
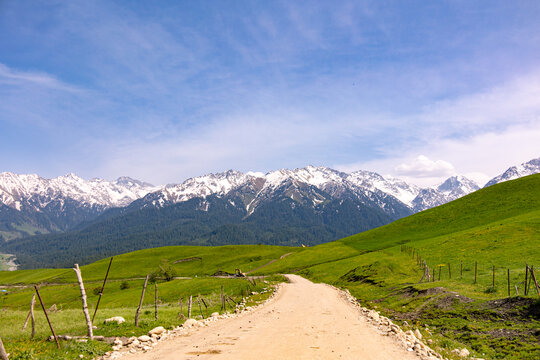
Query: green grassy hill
[[187, 261]]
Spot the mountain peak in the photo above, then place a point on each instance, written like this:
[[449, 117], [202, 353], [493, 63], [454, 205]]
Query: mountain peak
[[528, 168], [130, 182]]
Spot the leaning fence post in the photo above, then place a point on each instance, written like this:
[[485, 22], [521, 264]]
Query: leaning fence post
[[47, 316], [102, 288], [475, 270], [200, 307], [3, 353], [190, 303], [84, 304], [205, 306], [141, 301]]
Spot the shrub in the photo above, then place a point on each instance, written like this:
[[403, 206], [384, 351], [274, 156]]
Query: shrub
[[124, 285], [165, 271]]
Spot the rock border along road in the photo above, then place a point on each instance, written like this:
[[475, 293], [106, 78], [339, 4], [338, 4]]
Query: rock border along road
[[302, 321]]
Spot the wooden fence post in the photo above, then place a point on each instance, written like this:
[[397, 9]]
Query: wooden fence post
[[475, 270], [3, 353], [433, 278], [200, 307], [493, 282], [530, 280], [205, 306], [440, 272], [449, 271], [526, 274], [535, 282], [102, 289], [517, 292], [461, 271], [47, 316], [84, 304], [141, 301], [189, 307], [155, 301], [222, 301], [181, 310], [31, 316], [508, 280]]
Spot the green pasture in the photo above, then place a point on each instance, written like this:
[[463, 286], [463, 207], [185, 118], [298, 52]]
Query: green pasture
[[140, 263]]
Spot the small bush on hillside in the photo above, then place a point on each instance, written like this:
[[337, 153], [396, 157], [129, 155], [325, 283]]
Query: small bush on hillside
[[165, 271], [491, 290], [124, 285], [96, 291]]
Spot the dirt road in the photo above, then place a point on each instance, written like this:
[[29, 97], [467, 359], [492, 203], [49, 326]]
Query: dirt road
[[304, 321]]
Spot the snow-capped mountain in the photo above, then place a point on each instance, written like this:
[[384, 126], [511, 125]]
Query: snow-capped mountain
[[391, 195], [514, 172], [398, 188], [64, 202], [323, 184], [37, 192], [30, 204]]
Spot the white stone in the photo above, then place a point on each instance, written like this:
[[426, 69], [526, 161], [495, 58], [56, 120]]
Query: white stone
[[464, 353], [117, 347], [418, 334], [190, 322], [144, 338], [116, 319], [157, 331], [117, 341], [215, 314]]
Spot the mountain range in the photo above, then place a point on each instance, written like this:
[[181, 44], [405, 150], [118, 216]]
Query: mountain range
[[289, 207]]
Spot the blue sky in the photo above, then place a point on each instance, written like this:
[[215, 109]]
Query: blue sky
[[162, 91]]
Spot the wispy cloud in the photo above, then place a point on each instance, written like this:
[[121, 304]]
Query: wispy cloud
[[15, 77]]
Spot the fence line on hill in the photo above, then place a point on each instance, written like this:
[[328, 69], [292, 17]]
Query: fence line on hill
[[429, 274]]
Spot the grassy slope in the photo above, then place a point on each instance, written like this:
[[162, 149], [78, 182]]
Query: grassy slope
[[139, 263]]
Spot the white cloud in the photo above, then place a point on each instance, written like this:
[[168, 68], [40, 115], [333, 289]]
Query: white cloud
[[424, 167], [479, 157]]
